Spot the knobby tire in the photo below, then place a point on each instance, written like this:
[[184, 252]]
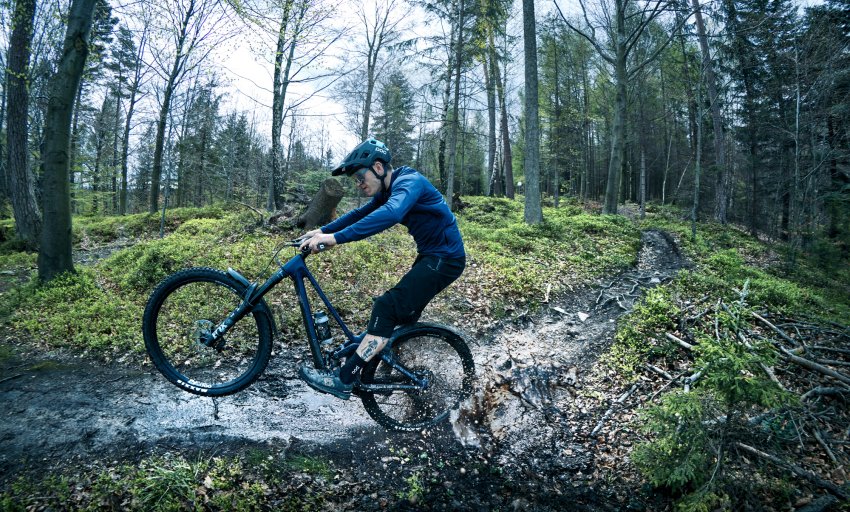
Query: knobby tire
[[426, 349], [198, 299]]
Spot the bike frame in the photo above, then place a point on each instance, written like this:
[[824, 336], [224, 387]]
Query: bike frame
[[296, 269]]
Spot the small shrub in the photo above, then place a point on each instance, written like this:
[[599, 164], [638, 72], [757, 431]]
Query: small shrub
[[679, 456]]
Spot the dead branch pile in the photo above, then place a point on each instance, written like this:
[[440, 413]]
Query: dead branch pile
[[805, 439]]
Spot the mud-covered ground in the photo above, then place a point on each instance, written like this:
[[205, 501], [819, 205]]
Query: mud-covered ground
[[523, 440]]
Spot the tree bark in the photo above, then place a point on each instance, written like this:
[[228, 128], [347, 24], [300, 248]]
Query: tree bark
[[21, 180], [493, 185], [125, 146], [4, 176], [322, 209], [278, 97], [533, 209], [618, 133], [507, 157], [54, 255]]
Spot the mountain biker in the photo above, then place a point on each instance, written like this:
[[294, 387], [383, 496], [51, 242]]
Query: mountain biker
[[403, 196]]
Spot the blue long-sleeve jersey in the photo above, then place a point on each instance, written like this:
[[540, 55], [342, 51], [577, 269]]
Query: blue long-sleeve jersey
[[412, 201]]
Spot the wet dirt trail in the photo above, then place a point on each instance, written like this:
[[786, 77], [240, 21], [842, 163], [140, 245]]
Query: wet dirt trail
[[55, 411]]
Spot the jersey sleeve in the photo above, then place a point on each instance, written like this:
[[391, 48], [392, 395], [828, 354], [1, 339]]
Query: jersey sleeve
[[350, 218], [405, 192]]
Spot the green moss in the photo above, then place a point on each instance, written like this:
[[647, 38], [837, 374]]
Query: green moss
[[812, 285], [642, 331], [107, 229], [74, 310], [313, 465]]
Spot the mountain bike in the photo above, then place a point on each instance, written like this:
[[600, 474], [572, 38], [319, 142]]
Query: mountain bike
[[210, 332]]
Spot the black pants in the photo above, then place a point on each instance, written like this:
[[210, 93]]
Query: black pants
[[403, 303]]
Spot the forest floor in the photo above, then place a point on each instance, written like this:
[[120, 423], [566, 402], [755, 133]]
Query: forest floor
[[539, 432]]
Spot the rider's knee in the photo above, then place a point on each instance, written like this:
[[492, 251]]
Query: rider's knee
[[384, 316]]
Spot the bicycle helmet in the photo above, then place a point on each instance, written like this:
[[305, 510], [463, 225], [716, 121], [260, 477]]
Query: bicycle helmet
[[364, 155]]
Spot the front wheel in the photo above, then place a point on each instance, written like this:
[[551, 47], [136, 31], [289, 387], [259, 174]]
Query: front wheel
[[443, 373], [179, 317]]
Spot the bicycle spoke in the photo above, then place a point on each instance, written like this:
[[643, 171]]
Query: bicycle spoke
[[440, 360], [182, 313]]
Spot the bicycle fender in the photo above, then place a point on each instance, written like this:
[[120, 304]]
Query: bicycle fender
[[239, 277], [404, 328]]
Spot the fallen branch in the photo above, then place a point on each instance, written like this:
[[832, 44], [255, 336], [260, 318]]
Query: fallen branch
[[680, 342], [823, 391], [610, 410], [11, 378], [825, 446], [825, 502], [659, 371], [772, 376], [776, 329], [808, 475], [833, 362], [811, 365], [830, 349], [691, 380]]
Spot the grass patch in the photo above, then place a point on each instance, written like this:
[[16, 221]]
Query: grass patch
[[102, 229], [642, 332], [167, 482], [725, 257], [512, 263]]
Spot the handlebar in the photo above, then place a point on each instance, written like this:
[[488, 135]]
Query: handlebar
[[306, 251]]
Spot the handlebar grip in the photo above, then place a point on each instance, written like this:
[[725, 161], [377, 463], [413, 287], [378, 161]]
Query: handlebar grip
[[306, 250]]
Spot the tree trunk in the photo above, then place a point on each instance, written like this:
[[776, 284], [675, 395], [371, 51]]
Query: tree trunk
[[458, 64], [697, 167], [54, 255], [113, 169], [322, 209], [21, 180], [587, 136], [4, 176], [279, 96], [491, 129], [533, 209], [507, 157], [618, 135], [642, 193], [125, 146], [176, 69], [444, 117], [722, 197]]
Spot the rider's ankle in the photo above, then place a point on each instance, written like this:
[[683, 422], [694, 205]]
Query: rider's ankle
[[348, 372]]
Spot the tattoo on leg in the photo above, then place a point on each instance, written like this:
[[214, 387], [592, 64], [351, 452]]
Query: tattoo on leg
[[370, 347]]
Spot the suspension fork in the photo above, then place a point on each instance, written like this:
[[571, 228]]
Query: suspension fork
[[253, 295]]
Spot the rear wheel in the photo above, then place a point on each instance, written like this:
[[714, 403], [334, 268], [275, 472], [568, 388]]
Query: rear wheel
[[182, 312], [437, 357]]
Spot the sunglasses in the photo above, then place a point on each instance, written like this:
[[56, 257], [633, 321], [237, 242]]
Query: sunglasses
[[360, 176]]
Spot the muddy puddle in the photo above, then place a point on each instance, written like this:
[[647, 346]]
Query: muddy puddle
[[63, 409], [531, 370]]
